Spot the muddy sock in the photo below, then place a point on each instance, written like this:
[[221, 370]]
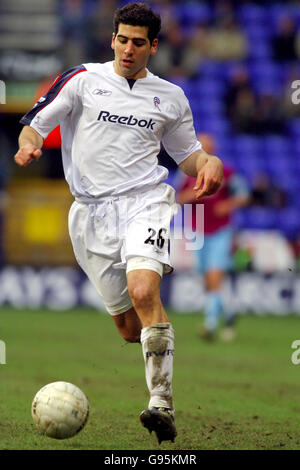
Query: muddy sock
[[158, 349]]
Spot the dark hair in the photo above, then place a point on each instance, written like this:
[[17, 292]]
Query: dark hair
[[138, 14]]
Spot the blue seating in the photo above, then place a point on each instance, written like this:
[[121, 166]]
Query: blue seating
[[207, 107], [239, 219], [209, 87], [251, 13], [276, 145], [259, 50], [190, 13], [266, 70], [246, 145], [210, 69], [280, 163], [216, 126], [288, 222], [257, 31], [294, 127], [260, 218]]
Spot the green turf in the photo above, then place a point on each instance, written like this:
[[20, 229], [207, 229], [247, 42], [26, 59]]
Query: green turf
[[242, 395]]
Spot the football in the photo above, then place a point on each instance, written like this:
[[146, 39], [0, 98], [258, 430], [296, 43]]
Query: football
[[60, 410]]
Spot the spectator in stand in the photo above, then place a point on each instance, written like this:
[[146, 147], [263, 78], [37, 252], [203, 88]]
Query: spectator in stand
[[238, 81], [240, 101], [269, 115], [98, 31], [244, 113], [73, 14], [226, 41], [259, 115], [286, 41], [198, 45], [215, 256], [174, 57], [265, 193]]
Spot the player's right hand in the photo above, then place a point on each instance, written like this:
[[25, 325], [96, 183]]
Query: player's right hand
[[26, 154]]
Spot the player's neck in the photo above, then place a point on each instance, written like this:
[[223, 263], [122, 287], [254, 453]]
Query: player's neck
[[140, 74]]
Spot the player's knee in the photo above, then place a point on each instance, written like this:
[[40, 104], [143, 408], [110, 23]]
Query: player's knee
[[142, 295]]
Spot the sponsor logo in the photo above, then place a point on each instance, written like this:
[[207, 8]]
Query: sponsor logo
[[98, 91], [125, 120], [166, 352], [156, 102]]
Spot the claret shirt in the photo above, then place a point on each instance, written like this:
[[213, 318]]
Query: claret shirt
[[112, 129]]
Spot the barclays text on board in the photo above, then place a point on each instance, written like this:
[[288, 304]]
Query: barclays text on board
[[65, 288]]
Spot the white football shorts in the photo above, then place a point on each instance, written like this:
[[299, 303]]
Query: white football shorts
[[114, 235]]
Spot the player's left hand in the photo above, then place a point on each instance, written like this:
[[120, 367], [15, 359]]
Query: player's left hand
[[209, 178]]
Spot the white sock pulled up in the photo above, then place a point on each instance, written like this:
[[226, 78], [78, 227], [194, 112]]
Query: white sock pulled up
[[158, 350]]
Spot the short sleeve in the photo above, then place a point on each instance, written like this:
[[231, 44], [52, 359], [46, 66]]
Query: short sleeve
[[52, 108], [180, 139]]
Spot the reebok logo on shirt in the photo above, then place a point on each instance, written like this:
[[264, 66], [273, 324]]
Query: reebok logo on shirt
[[127, 121]]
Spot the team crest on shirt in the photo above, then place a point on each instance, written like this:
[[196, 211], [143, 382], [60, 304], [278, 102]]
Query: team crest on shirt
[[156, 102], [98, 91]]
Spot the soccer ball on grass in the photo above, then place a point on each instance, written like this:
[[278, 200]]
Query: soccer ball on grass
[[60, 410]]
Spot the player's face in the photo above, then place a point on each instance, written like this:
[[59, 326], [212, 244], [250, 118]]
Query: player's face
[[132, 50]]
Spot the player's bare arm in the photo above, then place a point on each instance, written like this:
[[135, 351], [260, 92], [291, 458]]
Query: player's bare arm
[[208, 169], [233, 203], [30, 144]]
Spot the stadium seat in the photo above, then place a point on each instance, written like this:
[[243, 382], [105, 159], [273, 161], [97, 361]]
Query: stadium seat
[[251, 13], [207, 107], [257, 31], [216, 126], [249, 169], [280, 10], [288, 222], [245, 145], [259, 50], [260, 218], [277, 164], [209, 69], [265, 69], [191, 13], [210, 87], [294, 127], [239, 219], [276, 144]]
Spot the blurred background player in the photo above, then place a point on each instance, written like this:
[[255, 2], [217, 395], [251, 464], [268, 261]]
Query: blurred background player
[[214, 258]]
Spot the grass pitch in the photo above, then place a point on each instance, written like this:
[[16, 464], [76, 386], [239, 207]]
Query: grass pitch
[[239, 395]]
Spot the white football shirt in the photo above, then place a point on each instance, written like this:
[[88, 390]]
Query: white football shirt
[[111, 133]]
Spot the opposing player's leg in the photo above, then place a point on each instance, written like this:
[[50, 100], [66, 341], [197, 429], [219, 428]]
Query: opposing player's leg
[[213, 302], [157, 339], [216, 262]]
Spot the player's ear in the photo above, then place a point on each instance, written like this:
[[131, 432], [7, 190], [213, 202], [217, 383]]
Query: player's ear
[[154, 46], [113, 41]]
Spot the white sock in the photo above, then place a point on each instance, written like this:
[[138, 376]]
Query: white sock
[[158, 350]]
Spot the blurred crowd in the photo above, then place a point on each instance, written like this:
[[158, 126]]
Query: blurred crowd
[[238, 63]]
